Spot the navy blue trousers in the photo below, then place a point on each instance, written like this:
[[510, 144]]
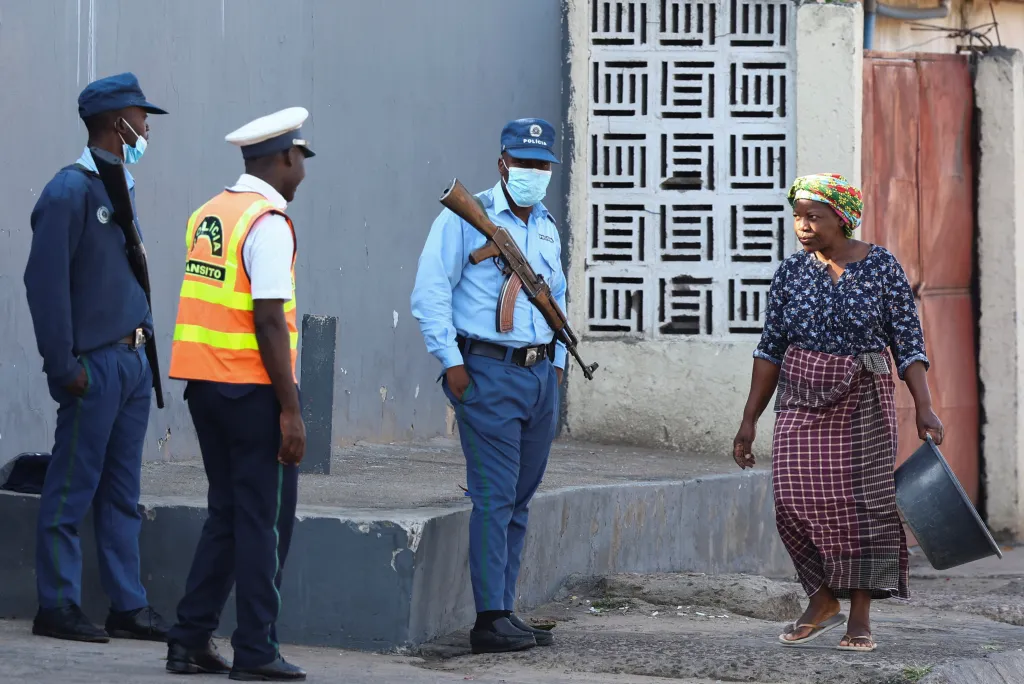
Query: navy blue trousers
[[507, 420], [251, 512], [97, 461]]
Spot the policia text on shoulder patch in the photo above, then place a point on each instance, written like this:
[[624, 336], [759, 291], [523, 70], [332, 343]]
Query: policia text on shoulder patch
[[211, 229]]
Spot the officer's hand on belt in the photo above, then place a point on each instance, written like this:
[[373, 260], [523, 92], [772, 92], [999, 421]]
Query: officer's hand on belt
[[293, 438], [458, 380]]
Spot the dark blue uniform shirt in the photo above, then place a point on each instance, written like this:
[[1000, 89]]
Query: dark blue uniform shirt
[[81, 290]]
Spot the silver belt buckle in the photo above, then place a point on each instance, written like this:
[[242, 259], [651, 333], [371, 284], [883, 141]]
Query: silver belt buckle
[[531, 357], [140, 338]]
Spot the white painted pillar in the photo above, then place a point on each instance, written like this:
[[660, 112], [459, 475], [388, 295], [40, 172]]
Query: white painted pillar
[[829, 89], [999, 97]]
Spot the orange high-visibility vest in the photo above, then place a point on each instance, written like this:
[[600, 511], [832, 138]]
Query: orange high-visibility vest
[[215, 335]]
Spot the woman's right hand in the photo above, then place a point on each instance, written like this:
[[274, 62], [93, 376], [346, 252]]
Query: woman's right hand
[[741, 445]]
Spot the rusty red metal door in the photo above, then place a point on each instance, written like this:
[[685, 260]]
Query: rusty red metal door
[[919, 203]]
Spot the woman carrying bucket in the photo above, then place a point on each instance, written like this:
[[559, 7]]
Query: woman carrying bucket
[[832, 311]]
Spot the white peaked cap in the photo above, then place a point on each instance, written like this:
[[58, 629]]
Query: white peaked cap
[[271, 133]]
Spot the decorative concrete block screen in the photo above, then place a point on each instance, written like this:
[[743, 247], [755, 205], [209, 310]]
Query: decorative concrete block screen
[[691, 146]]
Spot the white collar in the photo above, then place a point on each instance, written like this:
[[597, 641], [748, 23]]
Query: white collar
[[247, 183]]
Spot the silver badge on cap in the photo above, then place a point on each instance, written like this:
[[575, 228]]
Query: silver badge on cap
[[535, 131], [103, 215]]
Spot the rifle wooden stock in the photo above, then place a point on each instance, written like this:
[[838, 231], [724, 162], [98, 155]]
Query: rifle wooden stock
[[519, 274], [111, 172]]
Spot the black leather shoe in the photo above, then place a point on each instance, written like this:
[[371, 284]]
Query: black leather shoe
[[143, 623], [205, 660], [277, 671], [503, 637], [68, 623], [543, 637]]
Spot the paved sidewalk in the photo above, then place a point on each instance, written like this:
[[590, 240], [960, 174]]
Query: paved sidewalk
[[684, 628], [30, 659], [429, 473]]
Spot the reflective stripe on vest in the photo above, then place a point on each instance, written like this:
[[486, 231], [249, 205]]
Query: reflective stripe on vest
[[215, 335]]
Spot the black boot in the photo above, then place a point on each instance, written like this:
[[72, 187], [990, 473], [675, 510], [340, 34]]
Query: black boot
[[143, 623], [502, 637], [276, 671], [205, 660], [68, 623], [544, 637]]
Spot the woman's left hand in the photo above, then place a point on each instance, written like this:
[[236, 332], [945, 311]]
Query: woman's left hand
[[929, 424]]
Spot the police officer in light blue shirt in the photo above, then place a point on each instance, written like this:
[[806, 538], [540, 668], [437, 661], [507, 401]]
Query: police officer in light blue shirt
[[504, 386]]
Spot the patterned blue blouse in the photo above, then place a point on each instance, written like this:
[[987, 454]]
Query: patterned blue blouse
[[870, 308]]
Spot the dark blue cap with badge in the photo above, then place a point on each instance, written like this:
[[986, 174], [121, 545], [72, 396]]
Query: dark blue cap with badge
[[529, 139], [112, 93]]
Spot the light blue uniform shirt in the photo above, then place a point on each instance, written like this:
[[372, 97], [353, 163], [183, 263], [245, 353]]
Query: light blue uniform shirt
[[87, 161], [452, 296]]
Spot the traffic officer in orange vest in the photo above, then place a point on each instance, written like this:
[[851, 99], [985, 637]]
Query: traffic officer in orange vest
[[235, 342]]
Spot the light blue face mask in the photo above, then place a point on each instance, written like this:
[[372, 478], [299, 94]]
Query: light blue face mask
[[132, 155], [526, 186]]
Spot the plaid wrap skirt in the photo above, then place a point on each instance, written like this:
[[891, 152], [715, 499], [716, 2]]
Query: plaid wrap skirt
[[834, 453]]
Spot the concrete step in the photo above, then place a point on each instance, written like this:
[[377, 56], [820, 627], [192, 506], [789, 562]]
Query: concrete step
[[385, 578]]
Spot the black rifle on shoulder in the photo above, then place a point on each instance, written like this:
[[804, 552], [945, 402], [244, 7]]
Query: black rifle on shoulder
[[519, 275], [112, 173]]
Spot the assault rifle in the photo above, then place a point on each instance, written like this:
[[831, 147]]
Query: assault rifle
[[519, 275], [112, 173]]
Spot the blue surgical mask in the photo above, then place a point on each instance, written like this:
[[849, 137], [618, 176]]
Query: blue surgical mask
[[527, 186], [133, 154]]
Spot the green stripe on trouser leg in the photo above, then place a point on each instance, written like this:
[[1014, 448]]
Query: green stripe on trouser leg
[[277, 546], [73, 453]]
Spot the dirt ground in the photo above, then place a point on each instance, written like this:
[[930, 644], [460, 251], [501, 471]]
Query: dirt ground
[[725, 629]]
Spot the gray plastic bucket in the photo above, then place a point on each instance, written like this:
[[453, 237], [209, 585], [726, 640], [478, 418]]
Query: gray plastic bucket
[[939, 512]]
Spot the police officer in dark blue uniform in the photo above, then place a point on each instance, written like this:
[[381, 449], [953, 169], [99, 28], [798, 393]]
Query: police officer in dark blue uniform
[[91, 321], [503, 385]]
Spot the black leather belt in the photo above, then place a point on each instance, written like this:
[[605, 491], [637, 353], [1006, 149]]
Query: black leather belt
[[136, 340], [523, 356]]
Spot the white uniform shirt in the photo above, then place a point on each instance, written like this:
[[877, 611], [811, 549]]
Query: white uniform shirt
[[270, 245]]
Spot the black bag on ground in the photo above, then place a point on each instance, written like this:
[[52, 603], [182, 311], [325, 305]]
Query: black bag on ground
[[25, 473]]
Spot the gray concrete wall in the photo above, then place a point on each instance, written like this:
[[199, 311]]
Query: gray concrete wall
[[403, 96]]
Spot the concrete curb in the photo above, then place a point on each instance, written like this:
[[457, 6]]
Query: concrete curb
[[379, 580]]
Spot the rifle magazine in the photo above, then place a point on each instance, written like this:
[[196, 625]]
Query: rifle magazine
[[505, 318]]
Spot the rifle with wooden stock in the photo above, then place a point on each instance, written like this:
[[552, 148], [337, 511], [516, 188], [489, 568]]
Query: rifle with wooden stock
[[519, 275], [112, 173]]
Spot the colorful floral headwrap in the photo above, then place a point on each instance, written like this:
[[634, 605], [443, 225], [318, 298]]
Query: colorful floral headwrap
[[834, 190]]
